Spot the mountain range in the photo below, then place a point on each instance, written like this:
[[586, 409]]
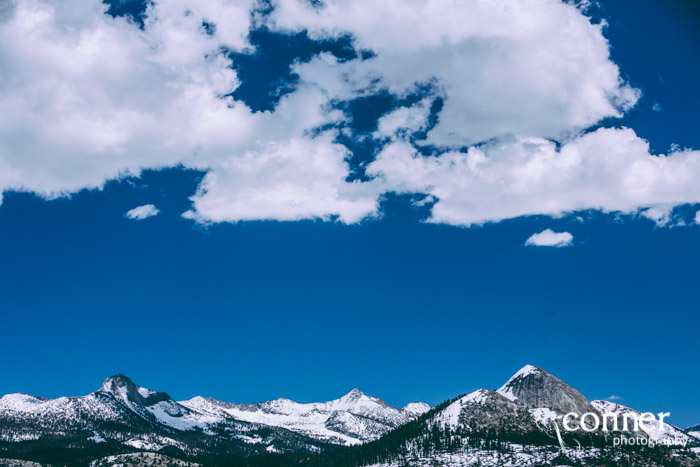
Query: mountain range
[[123, 414], [517, 423]]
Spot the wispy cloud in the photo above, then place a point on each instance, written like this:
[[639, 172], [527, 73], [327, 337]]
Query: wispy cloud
[[614, 398]]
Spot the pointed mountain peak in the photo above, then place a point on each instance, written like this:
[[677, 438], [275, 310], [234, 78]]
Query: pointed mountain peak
[[123, 388], [354, 394], [414, 410], [357, 401], [477, 396], [416, 406], [526, 373], [528, 370], [119, 385], [532, 387]]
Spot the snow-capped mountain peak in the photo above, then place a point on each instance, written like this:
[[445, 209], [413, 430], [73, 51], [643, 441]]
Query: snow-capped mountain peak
[[532, 387], [414, 410], [507, 389], [353, 395], [123, 388], [350, 419], [133, 417], [21, 402]]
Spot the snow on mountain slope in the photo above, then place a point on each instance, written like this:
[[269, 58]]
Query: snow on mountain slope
[[91, 407], [143, 418], [353, 427], [27, 417], [415, 410], [351, 419], [158, 405], [450, 415], [485, 410], [544, 415], [20, 402], [125, 415], [522, 409], [119, 411], [693, 431], [663, 432]]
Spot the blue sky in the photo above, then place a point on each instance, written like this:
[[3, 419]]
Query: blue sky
[[402, 308]]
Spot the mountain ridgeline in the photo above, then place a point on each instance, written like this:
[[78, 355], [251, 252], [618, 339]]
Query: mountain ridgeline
[[518, 424]]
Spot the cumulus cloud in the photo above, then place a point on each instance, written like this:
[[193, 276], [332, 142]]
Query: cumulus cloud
[[550, 238], [298, 179], [142, 212], [609, 170], [539, 68], [85, 98], [404, 120]]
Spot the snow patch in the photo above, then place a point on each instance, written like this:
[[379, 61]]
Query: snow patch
[[146, 393], [543, 415], [97, 438]]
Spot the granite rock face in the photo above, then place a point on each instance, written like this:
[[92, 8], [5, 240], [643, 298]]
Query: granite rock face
[[122, 387], [532, 388]]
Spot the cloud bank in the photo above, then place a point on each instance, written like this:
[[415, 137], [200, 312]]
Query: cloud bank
[[86, 98]]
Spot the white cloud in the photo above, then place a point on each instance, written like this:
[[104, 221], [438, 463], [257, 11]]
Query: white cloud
[[286, 174], [142, 212], [614, 398], [299, 179], [550, 238], [609, 170], [85, 98], [661, 215], [404, 120], [92, 98], [697, 217], [537, 68]]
